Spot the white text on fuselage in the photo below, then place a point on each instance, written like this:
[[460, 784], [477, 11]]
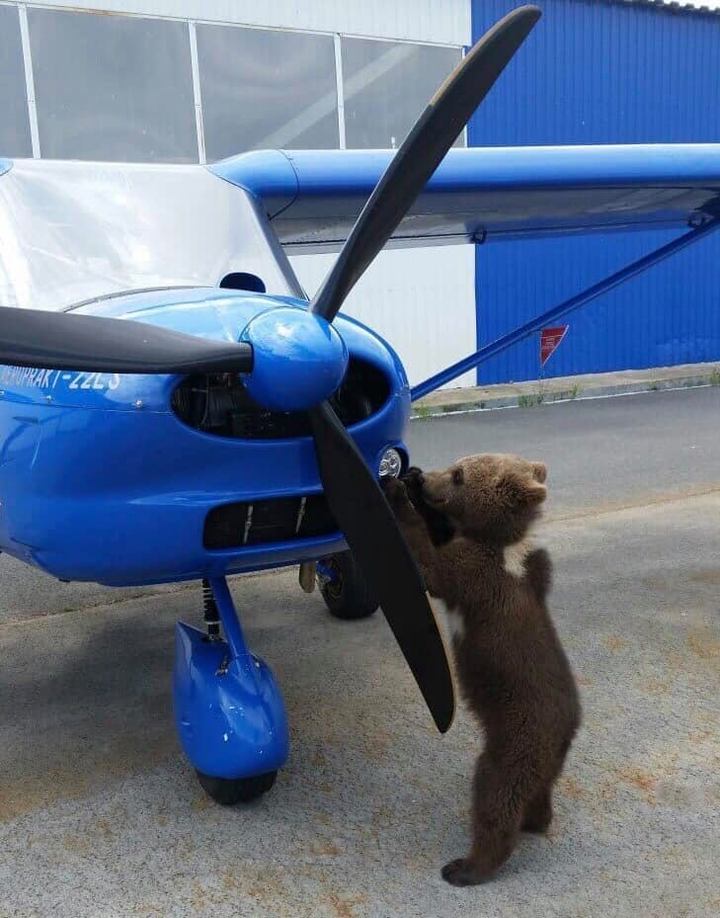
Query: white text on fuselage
[[30, 378]]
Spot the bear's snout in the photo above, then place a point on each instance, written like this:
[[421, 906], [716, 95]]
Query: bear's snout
[[434, 488]]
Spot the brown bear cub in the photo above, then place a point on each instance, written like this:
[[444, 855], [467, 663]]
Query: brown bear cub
[[467, 528]]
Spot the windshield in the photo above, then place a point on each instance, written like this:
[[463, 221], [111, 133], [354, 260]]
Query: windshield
[[71, 232]]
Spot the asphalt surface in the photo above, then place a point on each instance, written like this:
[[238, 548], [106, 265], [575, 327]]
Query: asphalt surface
[[599, 452], [101, 816]]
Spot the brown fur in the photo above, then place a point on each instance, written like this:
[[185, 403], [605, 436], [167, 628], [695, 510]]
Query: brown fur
[[512, 669]]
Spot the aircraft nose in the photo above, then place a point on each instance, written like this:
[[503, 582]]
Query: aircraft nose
[[299, 359]]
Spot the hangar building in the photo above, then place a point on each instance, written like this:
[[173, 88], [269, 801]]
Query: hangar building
[[197, 80]]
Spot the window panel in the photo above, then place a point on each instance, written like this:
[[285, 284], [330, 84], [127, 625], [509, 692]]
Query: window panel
[[386, 85], [14, 123], [266, 89], [112, 87]]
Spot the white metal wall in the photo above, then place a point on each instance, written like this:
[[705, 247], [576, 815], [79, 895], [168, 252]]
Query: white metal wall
[[442, 21], [421, 300]]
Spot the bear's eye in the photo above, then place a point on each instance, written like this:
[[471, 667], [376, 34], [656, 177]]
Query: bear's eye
[[457, 476]]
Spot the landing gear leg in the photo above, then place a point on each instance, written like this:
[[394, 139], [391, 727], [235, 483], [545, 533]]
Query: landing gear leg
[[229, 713]]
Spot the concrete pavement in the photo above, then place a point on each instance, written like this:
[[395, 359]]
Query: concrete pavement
[[100, 815]]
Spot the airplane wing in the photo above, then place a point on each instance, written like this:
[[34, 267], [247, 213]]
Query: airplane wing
[[72, 231], [482, 194]]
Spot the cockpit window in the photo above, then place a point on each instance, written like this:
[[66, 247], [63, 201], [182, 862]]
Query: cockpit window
[[72, 232]]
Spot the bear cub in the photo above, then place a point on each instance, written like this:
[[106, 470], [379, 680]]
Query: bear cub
[[467, 528]]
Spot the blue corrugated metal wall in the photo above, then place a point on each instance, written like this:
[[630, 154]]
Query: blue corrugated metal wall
[[602, 72]]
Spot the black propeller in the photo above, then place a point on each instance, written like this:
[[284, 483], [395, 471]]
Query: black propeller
[[67, 341], [382, 554], [421, 153], [357, 502]]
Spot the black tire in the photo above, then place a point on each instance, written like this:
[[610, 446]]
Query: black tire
[[347, 595], [230, 791]]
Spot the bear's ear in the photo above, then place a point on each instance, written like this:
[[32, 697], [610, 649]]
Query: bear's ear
[[522, 490], [531, 492], [539, 471]]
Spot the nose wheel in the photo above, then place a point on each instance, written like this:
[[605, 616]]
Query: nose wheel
[[344, 588], [229, 712], [231, 791]]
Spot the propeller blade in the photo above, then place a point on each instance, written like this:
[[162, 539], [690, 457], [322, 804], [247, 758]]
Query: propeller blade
[[364, 515], [64, 341], [434, 133]]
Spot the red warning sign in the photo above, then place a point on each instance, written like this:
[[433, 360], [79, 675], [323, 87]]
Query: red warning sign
[[550, 339]]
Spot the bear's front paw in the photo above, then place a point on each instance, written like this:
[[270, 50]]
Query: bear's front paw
[[396, 493], [413, 481], [413, 474], [463, 872]]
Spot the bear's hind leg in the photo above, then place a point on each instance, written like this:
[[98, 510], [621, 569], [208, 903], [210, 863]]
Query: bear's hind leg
[[539, 813], [501, 794]]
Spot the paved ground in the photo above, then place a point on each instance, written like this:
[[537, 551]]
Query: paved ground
[[100, 816]]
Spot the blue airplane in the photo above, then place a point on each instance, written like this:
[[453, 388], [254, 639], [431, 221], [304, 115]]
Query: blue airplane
[[173, 407]]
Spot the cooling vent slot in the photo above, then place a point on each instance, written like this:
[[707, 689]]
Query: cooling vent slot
[[263, 521]]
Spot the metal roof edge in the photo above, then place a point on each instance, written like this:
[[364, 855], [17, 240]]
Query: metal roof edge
[[670, 6]]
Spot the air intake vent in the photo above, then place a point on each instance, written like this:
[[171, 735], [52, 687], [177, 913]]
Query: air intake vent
[[221, 405], [263, 521]]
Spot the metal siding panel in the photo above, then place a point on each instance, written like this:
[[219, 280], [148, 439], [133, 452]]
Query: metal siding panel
[[417, 20], [602, 73], [14, 124]]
